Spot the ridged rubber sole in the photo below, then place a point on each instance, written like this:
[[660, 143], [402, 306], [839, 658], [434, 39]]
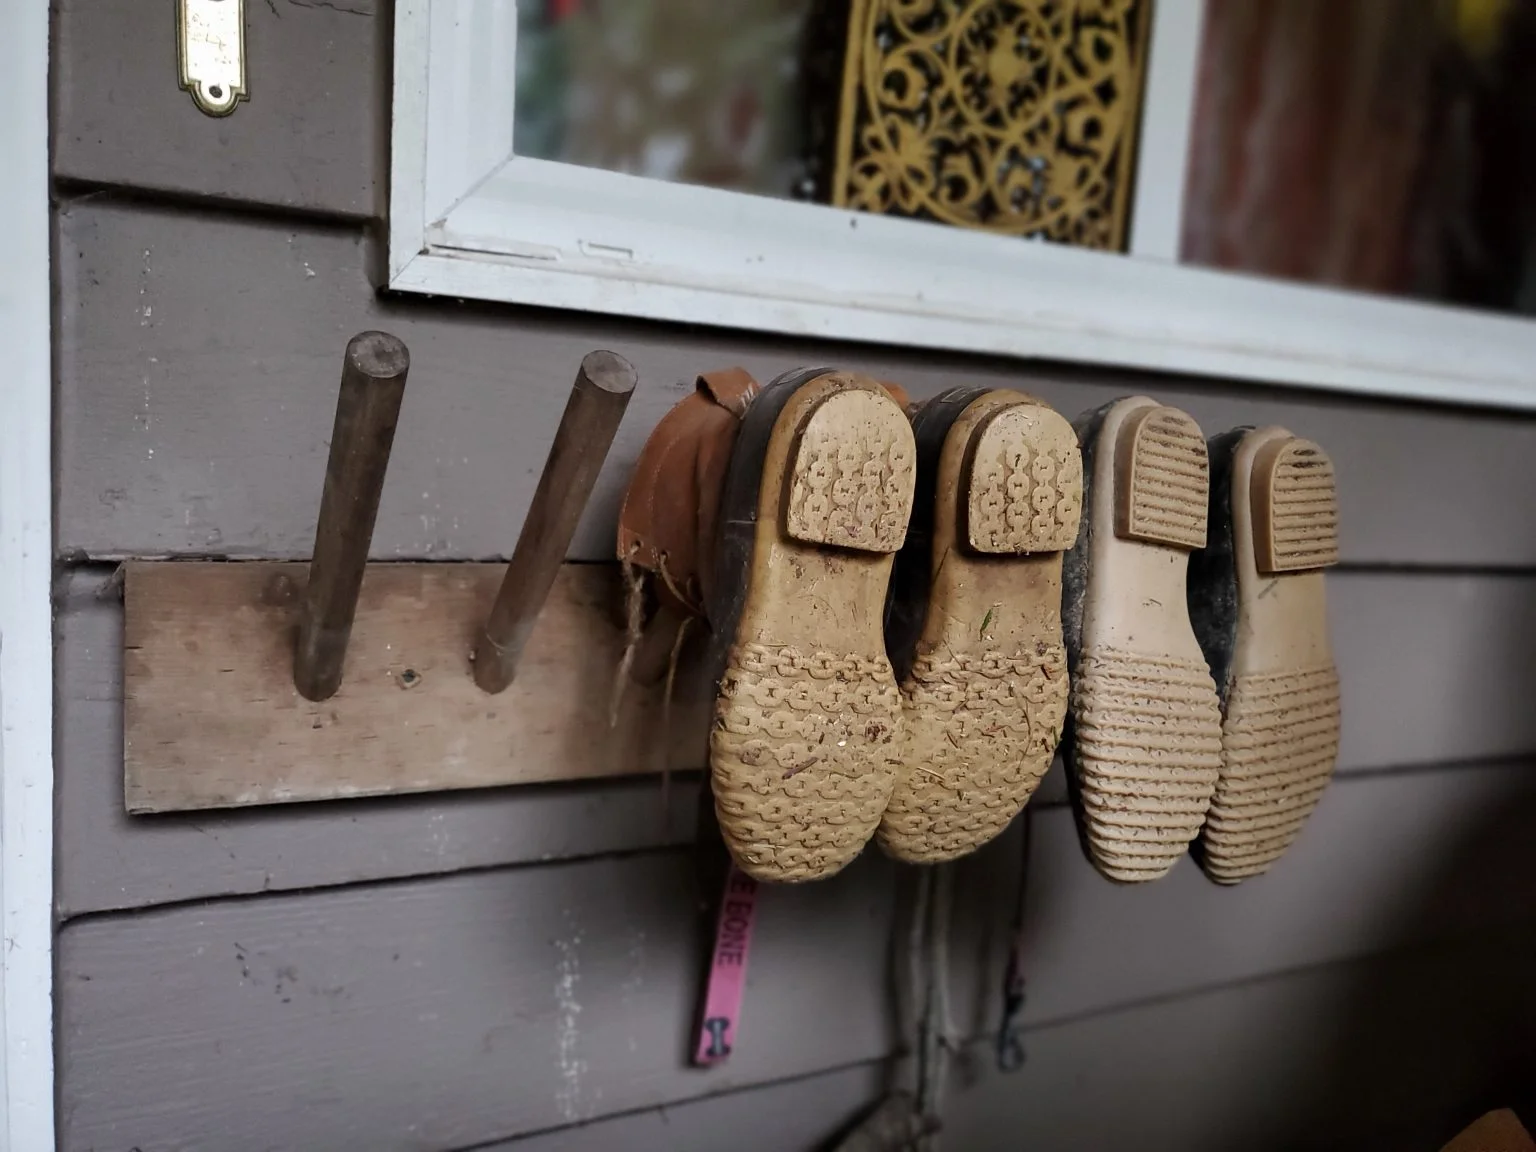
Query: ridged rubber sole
[[806, 742], [1280, 738], [1147, 719], [1164, 479], [1279, 745], [1149, 751], [1295, 508], [803, 758], [982, 736]]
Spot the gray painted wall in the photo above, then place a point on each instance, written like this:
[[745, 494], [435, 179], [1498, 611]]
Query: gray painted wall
[[519, 968]]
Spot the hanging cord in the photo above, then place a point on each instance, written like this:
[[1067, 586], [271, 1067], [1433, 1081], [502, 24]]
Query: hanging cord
[[911, 987], [686, 595], [634, 628], [906, 1120], [1010, 1047], [666, 719], [634, 633], [936, 1030], [914, 985]]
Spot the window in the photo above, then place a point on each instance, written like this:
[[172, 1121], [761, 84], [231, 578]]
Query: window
[[649, 164]]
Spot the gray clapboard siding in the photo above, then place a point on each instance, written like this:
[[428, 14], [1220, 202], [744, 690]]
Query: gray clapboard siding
[[199, 358], [1433, 667], [792, 1116], [479, 1006], [1346, 1056], [1401, 708], [1386, 861], [1352, 1056], [1391, 1053], [312, 136], [443, 1013]]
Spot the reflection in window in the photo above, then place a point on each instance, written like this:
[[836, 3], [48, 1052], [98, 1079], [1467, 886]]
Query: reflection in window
[[1386, 145], [1013, 116], [697, 91]]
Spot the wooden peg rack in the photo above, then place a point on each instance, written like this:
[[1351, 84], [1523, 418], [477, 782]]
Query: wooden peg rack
[[212, 719], [265, 683]]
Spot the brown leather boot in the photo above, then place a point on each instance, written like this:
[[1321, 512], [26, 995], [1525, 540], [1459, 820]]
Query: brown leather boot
[[668, 524], [669, 521]]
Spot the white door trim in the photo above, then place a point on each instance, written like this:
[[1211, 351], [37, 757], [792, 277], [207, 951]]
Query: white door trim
[[26, 617]]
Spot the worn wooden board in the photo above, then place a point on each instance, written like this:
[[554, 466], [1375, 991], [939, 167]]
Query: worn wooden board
[[211, 718], [121, 861], [192, 419], [312, 136]]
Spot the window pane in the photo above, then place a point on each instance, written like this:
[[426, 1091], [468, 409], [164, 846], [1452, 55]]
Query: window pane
[[1013, 116], [698, 91], [1385, 145]]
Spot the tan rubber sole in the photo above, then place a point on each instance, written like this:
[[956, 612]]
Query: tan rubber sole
[[1280, 738], [1146, 716], [806, 741], [987, 694]]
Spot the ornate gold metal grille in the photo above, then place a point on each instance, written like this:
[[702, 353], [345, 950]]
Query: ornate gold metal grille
[[1014, 116]]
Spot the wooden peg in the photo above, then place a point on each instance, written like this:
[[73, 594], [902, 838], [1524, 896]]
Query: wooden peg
[[372, 384], [592, 414]]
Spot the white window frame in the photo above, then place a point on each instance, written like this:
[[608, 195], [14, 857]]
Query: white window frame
[[26, 564], [468, 218]]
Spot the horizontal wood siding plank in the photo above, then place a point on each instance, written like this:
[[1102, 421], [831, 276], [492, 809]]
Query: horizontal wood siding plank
[[1385, 861], [200, 354], [445, 1013], [435, 1013], [213, 719], [1401, 708], [1353, 1055], [1346, 1056], [311, 136], [1391, 1053], [793, 1116]]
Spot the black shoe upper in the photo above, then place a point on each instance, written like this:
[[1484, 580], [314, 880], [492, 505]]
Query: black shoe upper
[[1211, 589]]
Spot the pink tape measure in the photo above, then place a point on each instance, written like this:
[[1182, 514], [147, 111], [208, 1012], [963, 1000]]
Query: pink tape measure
[[727, 969]]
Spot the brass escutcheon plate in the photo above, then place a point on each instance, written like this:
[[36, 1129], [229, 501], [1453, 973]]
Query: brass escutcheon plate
[[210, 41]]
